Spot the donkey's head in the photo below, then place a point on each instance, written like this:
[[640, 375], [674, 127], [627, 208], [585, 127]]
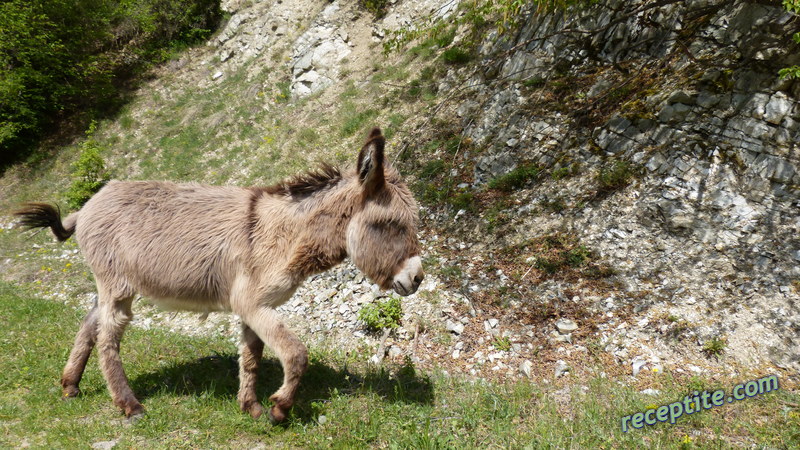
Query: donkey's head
[[382, 235]]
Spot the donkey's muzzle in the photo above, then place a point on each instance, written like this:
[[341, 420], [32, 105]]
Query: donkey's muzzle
[[408, 279]]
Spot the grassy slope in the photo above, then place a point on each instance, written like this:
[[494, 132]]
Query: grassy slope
[[188, 386]]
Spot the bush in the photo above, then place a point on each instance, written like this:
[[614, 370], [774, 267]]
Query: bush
[[89, 172], [385, 314], [63, 56]]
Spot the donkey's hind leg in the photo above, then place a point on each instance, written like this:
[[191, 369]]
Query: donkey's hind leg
[[290, 351], [81, 349], [249, 359], [115, 313]]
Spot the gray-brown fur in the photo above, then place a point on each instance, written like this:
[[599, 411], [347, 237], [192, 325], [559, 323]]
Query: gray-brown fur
[[245, 250]]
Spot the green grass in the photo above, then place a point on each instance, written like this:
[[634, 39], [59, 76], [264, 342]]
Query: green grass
[[307, 137], [355, 118], [432, 169], [395, 124], [350, 91], [498, 215], [188, 386]]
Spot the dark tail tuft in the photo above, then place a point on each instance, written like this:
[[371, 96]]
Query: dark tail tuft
[[43, 215]]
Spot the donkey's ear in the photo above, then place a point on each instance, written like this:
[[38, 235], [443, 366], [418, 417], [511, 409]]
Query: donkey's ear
[[370, 162]]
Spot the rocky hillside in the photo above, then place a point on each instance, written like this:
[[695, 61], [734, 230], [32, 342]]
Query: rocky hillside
[[615, 182], [704, 241]]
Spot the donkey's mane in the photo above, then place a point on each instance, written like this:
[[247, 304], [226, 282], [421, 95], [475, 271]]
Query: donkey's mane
[[305, 184]]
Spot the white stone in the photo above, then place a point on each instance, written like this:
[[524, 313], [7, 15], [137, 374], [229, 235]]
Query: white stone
[[526, 368], [561, 368], [455, 327], [777, 108], [637, 365], [566, 326]]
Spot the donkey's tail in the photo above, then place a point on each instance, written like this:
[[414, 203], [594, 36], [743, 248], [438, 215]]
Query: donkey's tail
[[43, 215]]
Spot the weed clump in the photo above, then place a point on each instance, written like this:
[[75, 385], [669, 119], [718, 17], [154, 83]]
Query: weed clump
[[355, 120], [556, 205], [554, 253], [284, 92], [463, 200], [431, 169], [502, 344], [515, 179], [534, 82], [89, 172], [376, 7], [574, 257], [498, 215], [385, 314], [423, 87], [715, 347], [455, 55], [565, 172], [614, 178]]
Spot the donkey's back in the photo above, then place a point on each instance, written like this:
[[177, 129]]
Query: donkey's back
[[165, 240]]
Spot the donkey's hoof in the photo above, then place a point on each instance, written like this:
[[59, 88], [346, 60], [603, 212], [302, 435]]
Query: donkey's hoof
[[70, 392], [134, 418], [255, 410], [276, 415], [134, 413]]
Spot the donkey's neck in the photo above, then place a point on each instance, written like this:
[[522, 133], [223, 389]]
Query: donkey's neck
[[323, 221], [309, 233]]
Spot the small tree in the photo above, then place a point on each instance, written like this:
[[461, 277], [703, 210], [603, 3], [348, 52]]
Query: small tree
[[88, 172], [792, 6]]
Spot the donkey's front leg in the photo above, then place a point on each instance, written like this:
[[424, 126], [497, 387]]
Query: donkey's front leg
[[249, 359], [81, 349], [115, 313], [290, 351]]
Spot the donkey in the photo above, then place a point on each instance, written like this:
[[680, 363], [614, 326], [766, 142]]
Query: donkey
[[243, 250]]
